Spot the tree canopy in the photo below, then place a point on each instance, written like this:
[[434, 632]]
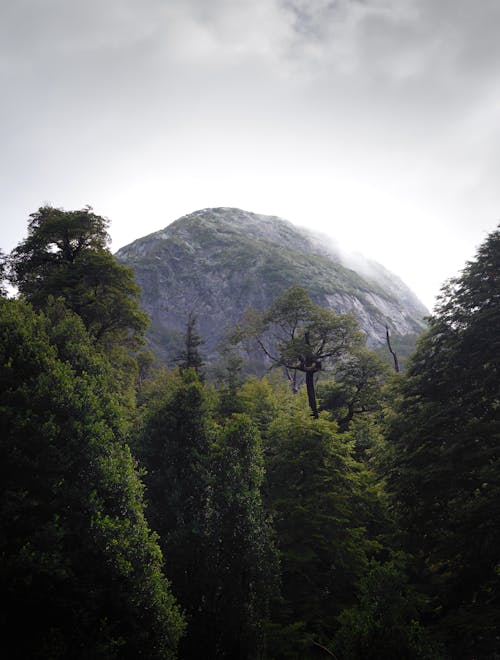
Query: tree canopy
[[445, 468], [66, 255], [189, 357], [81, 574], [367, 530], [300, 336]]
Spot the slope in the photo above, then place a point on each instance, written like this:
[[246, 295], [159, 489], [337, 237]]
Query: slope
[[217, 262]]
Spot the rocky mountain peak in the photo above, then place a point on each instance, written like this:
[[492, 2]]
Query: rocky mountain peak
[[219, 261]]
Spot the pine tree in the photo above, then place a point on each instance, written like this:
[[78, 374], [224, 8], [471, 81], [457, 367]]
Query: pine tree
[[174, 447], [3, 274], [190, 357], [446, 456], [243, 562]]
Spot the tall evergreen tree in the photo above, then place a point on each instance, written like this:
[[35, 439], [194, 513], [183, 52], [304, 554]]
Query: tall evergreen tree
[[3, 274], [446, 456], [190, 357], [80, 572], [243, 561], [228, 381], [174, 447]]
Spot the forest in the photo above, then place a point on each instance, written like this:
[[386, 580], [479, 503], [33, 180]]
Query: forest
[[333, 508]]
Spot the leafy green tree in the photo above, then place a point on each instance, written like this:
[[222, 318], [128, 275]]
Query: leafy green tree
[[357, 388], [190, 357], [262, 400], [80, 572], [203, 485], [314, 488], [445, 469], [228, 381], [65, 255], [384, 623], [243, 562], [301, 337], [174, 447]]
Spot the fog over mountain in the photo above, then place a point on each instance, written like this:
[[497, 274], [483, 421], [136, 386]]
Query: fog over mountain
[[218, 262], [375, 121]]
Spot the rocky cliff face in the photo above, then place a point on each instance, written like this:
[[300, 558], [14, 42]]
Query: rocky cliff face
[[217, 262]]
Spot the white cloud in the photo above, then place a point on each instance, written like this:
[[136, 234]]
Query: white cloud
[[377, 118]]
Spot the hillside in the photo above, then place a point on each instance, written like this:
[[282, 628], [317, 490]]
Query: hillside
[[217, 262]]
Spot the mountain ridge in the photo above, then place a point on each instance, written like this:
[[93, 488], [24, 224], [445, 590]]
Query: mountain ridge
[[219, 261]]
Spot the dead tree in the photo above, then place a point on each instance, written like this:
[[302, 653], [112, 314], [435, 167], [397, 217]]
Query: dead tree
[[391, 351]]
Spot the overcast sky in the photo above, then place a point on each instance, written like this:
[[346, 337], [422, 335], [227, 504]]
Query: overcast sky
[[375, 121]]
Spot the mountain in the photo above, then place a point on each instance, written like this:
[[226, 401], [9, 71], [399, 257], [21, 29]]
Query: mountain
[[217, 262]]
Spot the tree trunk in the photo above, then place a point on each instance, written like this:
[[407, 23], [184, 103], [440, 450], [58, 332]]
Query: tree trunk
[[311, 394], [393, 353]]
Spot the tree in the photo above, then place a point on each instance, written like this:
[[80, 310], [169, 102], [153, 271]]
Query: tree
[[243, 562], [174, 446], [3, 274], [384, 623], [190, 357], [445, 464], [81, 574], [315, 497], [300, 336], [356, 389], [228, 381], [391, 350], [65, 255]]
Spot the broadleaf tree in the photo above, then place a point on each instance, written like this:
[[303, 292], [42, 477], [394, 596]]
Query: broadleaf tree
[[299, 336], [81, 573], [65, 255]]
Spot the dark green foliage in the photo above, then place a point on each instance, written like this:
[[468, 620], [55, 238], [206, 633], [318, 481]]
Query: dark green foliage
[[356, 389], [385, 621], [80, 572], [65, 255], [314, 490], [174, 447], [299, 336], [446, 457], [204, 491], [229, 380], [190, 357], [243, 561]]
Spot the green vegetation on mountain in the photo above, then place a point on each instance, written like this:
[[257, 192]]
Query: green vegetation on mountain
[[146, 512], [219, 262]]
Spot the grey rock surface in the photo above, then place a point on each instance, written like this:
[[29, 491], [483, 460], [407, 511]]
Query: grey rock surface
[[218, 262]]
